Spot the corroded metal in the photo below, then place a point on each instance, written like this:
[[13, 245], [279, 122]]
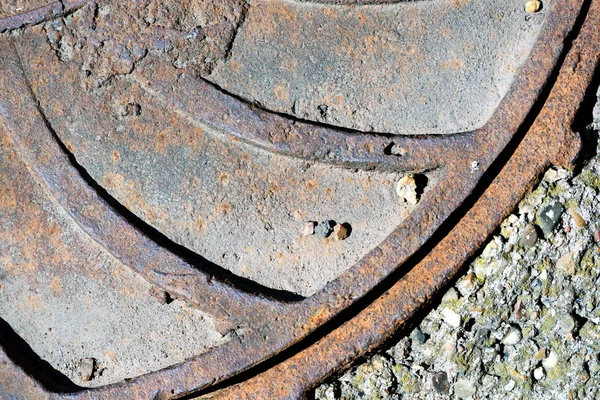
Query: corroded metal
[[483, 175]]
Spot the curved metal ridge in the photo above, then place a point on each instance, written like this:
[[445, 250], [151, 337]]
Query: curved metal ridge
[[550, 138]]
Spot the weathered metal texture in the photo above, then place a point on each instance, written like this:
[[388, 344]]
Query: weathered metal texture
[[37, 12], [386, 273], [550, 140], [411, 68]]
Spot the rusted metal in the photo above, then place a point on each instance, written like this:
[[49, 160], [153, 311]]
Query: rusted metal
[[529, 130]]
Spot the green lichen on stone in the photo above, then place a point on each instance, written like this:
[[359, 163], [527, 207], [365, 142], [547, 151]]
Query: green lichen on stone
[[548, 323], [358, 380], [558, 373], [454, 304], [407, 381], [589, 179], [587, 263], [557, 190], [462, 361]]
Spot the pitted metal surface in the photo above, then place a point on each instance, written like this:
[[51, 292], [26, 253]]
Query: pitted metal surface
[[199, 194], [412, 68]]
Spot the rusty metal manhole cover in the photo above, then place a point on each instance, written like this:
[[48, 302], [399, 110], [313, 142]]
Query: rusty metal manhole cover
[[236, 198]]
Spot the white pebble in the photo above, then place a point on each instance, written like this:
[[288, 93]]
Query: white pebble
[[539, 373], [551, 361], [512, 337], [406, 188], [510, 386], [450, 295], [451, 318]]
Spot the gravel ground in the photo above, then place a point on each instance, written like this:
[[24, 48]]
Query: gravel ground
[[524, 320]]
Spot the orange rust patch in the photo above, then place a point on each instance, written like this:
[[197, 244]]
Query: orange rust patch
[[460, 3], [224, 208], [110, 355], [161, 141], [453, 65], [7, 197], [69, 146], [224, 178], [34, 302], [311, 185], [113, 181], [199, 225], [234, 66], [319, 317], [56, 284], [281, 92]]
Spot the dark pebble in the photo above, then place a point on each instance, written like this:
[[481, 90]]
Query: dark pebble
[[325, 228], [529, 236], [419, 336], [549, 216], [440, 383], [481, 336]]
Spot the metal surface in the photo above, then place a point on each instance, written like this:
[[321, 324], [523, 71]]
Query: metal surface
[[49, 117]]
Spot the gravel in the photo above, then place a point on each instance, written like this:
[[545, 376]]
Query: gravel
[[524, 320]]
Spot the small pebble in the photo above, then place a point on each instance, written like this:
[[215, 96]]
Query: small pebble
[[533, 6], [463, 389], [481, 270], [539, 373], [397, 150], [341, 231], [597, 236], [513, 337], [309, 228], [325, 228], [551, 361], [549, 216], [529, 236], [551, 175], [86, 369], [406, 188], [518, 310], [466, 285], [565, 325], [510, 386], [566, 263], [440, 383], [516, 375], [578, 219], [450, 295], [540, 354], [481, 336], [418, 336], [451, 318]]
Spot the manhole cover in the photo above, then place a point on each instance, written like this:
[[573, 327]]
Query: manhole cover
[[238, 198]]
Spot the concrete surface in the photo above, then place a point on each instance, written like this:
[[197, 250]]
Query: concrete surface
[[523, 322]]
